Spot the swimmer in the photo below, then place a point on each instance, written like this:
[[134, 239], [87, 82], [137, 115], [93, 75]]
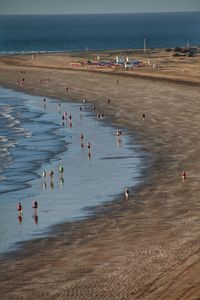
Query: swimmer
[[183, 175], [65, 114], [126, 192], [70, 117], [81, 136], [19, 207], [80, 109], [44, 174]]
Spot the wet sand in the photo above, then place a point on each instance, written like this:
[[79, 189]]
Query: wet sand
[[147, 247]]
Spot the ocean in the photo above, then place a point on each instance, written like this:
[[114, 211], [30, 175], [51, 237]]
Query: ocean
[[34, 137], [61, 33]]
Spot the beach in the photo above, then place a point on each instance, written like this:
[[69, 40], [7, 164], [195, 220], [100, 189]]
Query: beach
[[148, 247]]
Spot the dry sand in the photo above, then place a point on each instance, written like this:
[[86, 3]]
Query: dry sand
[[147, 248]]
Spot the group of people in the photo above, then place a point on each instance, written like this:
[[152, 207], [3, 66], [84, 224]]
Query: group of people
[[51, 172], [34, 207]]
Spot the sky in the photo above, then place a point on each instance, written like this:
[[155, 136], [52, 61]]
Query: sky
[[95, 6]]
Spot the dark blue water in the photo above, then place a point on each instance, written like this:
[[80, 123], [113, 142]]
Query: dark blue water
[[98, 32]]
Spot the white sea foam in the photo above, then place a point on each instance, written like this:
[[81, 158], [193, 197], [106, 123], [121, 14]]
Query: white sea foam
[[3, 139]]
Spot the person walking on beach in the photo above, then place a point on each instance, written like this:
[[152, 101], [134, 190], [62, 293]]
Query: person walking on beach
[[126, 192], [143, 116], [44, 174], [183, 175]]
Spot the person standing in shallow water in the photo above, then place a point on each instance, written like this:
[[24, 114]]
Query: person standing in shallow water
[[19, 207], [51, 175], [126, 192], [35, 204], [35, 215], [61, 170], [81, 139], [89, 149]]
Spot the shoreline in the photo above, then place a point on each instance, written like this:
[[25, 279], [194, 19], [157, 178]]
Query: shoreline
[[151, 247], [89, 210]]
